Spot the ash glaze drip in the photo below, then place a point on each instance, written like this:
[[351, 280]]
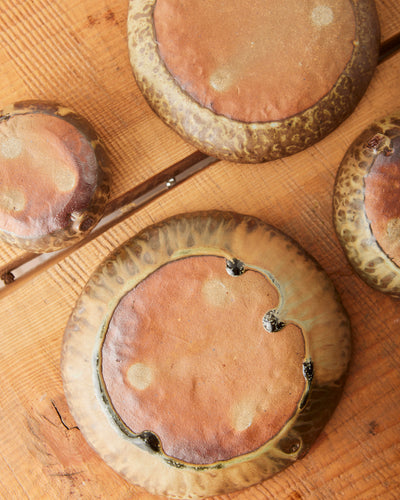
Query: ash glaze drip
[[308, 370]]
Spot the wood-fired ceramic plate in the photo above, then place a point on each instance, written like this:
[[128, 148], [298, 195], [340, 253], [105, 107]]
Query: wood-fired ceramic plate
[[205, 355], [250, 80], [366, 204]]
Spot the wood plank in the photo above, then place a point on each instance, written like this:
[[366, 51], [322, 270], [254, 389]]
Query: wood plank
[[357, 455], [75, 52]]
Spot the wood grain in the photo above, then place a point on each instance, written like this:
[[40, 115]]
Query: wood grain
[[42, 453], [388, 18]]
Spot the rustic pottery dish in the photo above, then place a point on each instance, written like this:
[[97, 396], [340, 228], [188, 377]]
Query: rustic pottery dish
[[249, 80], [367, 206], [54, 176], [205, 355]]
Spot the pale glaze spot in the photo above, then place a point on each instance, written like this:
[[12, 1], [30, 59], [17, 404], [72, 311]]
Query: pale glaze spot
[[12, 200], [64, 179], [140, 376], [322, 15], [11, 147], [393, 229], [242, 415], [222, 79], [215, 293]]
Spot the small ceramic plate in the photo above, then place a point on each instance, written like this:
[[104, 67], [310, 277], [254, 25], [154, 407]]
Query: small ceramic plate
[[251, 81], [205, 355], [367, 206], [54, 176]]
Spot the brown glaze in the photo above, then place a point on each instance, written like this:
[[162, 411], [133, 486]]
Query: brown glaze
[[55, 178], [253, 61], [366, 209], [188, 344], [48, 170], [382, 195]]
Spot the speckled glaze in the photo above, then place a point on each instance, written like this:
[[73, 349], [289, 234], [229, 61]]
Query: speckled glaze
[[80, 223], [307, 299], [238, 141], [352, 225]]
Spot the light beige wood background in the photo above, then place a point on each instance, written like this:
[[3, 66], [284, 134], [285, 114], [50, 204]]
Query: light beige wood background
[[75, 52]]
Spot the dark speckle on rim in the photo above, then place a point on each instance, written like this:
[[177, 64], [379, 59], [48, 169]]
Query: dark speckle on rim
[[308, 370], [151, 440], [289, 445], [251, 225], [272, 323], [375, 141], [235, 267], [86, 224]]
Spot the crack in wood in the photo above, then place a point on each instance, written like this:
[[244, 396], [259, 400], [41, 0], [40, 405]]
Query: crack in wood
[[61, 419], [48, 420]]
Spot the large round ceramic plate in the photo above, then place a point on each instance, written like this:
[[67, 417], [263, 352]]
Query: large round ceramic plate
[[252, 81], [205, 355], [367, 207]]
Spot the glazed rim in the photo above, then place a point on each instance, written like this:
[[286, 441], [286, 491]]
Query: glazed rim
[[350, 219], [234, 140], [85, 221], [307, 299]]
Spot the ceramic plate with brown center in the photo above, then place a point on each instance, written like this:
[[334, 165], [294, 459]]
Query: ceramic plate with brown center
[[367, 206], [253, 80], [205, 355], [54, 176]]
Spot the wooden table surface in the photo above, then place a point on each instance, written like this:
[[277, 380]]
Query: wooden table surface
[[75, 52]]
